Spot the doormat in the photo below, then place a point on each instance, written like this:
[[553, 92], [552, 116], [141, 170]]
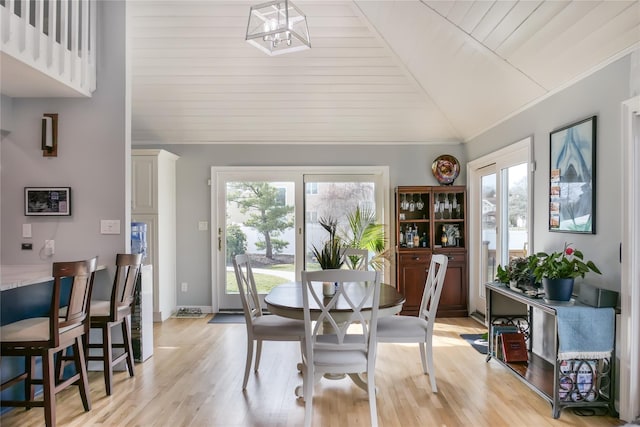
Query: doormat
[[189, 313], [477, 342], [227, 318]]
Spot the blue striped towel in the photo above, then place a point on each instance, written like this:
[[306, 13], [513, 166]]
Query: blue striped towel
[[585, 332]]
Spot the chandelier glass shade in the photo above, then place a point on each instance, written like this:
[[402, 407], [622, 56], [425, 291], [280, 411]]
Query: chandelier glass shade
[[277, 27]]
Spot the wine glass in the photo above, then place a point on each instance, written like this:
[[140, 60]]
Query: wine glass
[[412, 204], [403, 204], [419, 203]]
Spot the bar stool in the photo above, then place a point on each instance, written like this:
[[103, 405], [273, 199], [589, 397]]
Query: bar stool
[[107, 314], [47, 336]]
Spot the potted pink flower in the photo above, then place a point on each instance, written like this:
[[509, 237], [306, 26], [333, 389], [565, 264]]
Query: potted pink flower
[[558, 271]]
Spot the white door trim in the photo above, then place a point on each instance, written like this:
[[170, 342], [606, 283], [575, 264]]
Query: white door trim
[[219, 173], [629, 347], [516, 153]]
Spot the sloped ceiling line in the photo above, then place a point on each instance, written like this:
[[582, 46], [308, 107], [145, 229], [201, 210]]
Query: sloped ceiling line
[[454, 130], [490, 50]]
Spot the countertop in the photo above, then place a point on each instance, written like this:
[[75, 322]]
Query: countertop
[[15, 276]]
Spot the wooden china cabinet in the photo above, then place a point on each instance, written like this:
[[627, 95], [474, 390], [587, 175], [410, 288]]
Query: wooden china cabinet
[[431, 220]]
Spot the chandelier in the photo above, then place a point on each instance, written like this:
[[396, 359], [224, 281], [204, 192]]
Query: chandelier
[[277, 27]]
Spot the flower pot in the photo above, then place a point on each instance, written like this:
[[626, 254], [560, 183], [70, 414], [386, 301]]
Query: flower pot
[[558, 289], [328, 289]]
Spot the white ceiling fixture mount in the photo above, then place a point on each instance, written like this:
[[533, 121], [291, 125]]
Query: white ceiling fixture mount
[[278, 27]]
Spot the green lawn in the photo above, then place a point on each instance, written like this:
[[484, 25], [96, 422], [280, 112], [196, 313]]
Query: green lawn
[[264, 282], [282, 267]]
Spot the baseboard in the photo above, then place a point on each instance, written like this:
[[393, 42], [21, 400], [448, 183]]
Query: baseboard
[[478, 317]]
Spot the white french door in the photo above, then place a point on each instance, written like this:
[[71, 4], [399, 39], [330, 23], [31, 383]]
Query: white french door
[[500, 214], [272, 214]]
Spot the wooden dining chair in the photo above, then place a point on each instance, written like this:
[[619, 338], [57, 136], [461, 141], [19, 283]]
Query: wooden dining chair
[[260, 327], [412, 329], [340, 337], [356, 259], [45, 337], [105, 315]]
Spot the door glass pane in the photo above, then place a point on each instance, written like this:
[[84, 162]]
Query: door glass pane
[[517, 207], [334, 200], [488, 209], [260, 222]]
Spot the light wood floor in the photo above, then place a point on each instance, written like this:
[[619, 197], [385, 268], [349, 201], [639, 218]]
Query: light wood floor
[[195, 375]]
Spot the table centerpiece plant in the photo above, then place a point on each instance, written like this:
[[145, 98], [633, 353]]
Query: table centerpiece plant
[[558, 271], [330, 253]]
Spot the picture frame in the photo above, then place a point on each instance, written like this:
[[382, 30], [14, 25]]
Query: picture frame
[[572, 177], [47, 201]]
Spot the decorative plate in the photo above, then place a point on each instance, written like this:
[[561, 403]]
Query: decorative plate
[[446, 169]]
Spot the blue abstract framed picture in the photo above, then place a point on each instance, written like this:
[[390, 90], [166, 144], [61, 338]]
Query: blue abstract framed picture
[[572, 192]]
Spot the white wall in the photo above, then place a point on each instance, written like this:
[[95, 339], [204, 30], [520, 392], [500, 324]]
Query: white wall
[[408, 165], [599, 94], [93, 148]]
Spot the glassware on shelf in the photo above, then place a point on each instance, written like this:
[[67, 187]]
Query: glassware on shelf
[[419, 203], [412, 204], [446, 211], [454, 208], [436, 210], [404, 205]]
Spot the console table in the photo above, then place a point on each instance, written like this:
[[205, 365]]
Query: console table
[[563, 383]]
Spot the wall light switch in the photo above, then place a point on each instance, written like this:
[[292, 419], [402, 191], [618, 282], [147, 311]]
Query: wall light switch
[[26, 231], [109, 226], [203, 225]]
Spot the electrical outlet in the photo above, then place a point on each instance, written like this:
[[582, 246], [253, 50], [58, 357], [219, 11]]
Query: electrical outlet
[[27, 246], [184, 286], [203, 225], [49, 247]]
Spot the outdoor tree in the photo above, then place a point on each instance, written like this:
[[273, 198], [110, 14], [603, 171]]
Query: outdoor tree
[[266, 212], [236, 242]]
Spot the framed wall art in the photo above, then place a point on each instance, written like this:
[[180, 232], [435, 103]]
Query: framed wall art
[[47, 201], [572, 174]]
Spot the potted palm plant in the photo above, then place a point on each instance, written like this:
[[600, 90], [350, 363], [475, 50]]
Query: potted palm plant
[[558, 271], [364, 232]]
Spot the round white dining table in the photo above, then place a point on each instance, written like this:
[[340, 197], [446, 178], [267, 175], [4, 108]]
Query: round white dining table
[[286, 300]]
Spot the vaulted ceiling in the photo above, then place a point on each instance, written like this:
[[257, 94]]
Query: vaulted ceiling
[[402, 71]]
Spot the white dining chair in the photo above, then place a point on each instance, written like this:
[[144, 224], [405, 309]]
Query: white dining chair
[[356, 259], [411, 329], [260, 327], [340, 332]]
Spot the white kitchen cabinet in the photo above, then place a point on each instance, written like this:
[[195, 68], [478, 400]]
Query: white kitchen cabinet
[[153, 199]]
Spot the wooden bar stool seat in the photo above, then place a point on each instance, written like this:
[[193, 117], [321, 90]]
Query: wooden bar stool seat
[[45, 337], [107, 314]]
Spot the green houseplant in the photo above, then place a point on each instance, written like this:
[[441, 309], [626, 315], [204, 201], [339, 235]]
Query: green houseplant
[[558, 271], [330, 254], [364, 232], [518, 272]]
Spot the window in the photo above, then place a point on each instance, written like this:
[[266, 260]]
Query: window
[[273, 215]]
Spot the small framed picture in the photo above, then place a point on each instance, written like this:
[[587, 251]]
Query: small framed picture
[[47, 201]]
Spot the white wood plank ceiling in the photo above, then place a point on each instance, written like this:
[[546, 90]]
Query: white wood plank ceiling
[[378, 71]]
